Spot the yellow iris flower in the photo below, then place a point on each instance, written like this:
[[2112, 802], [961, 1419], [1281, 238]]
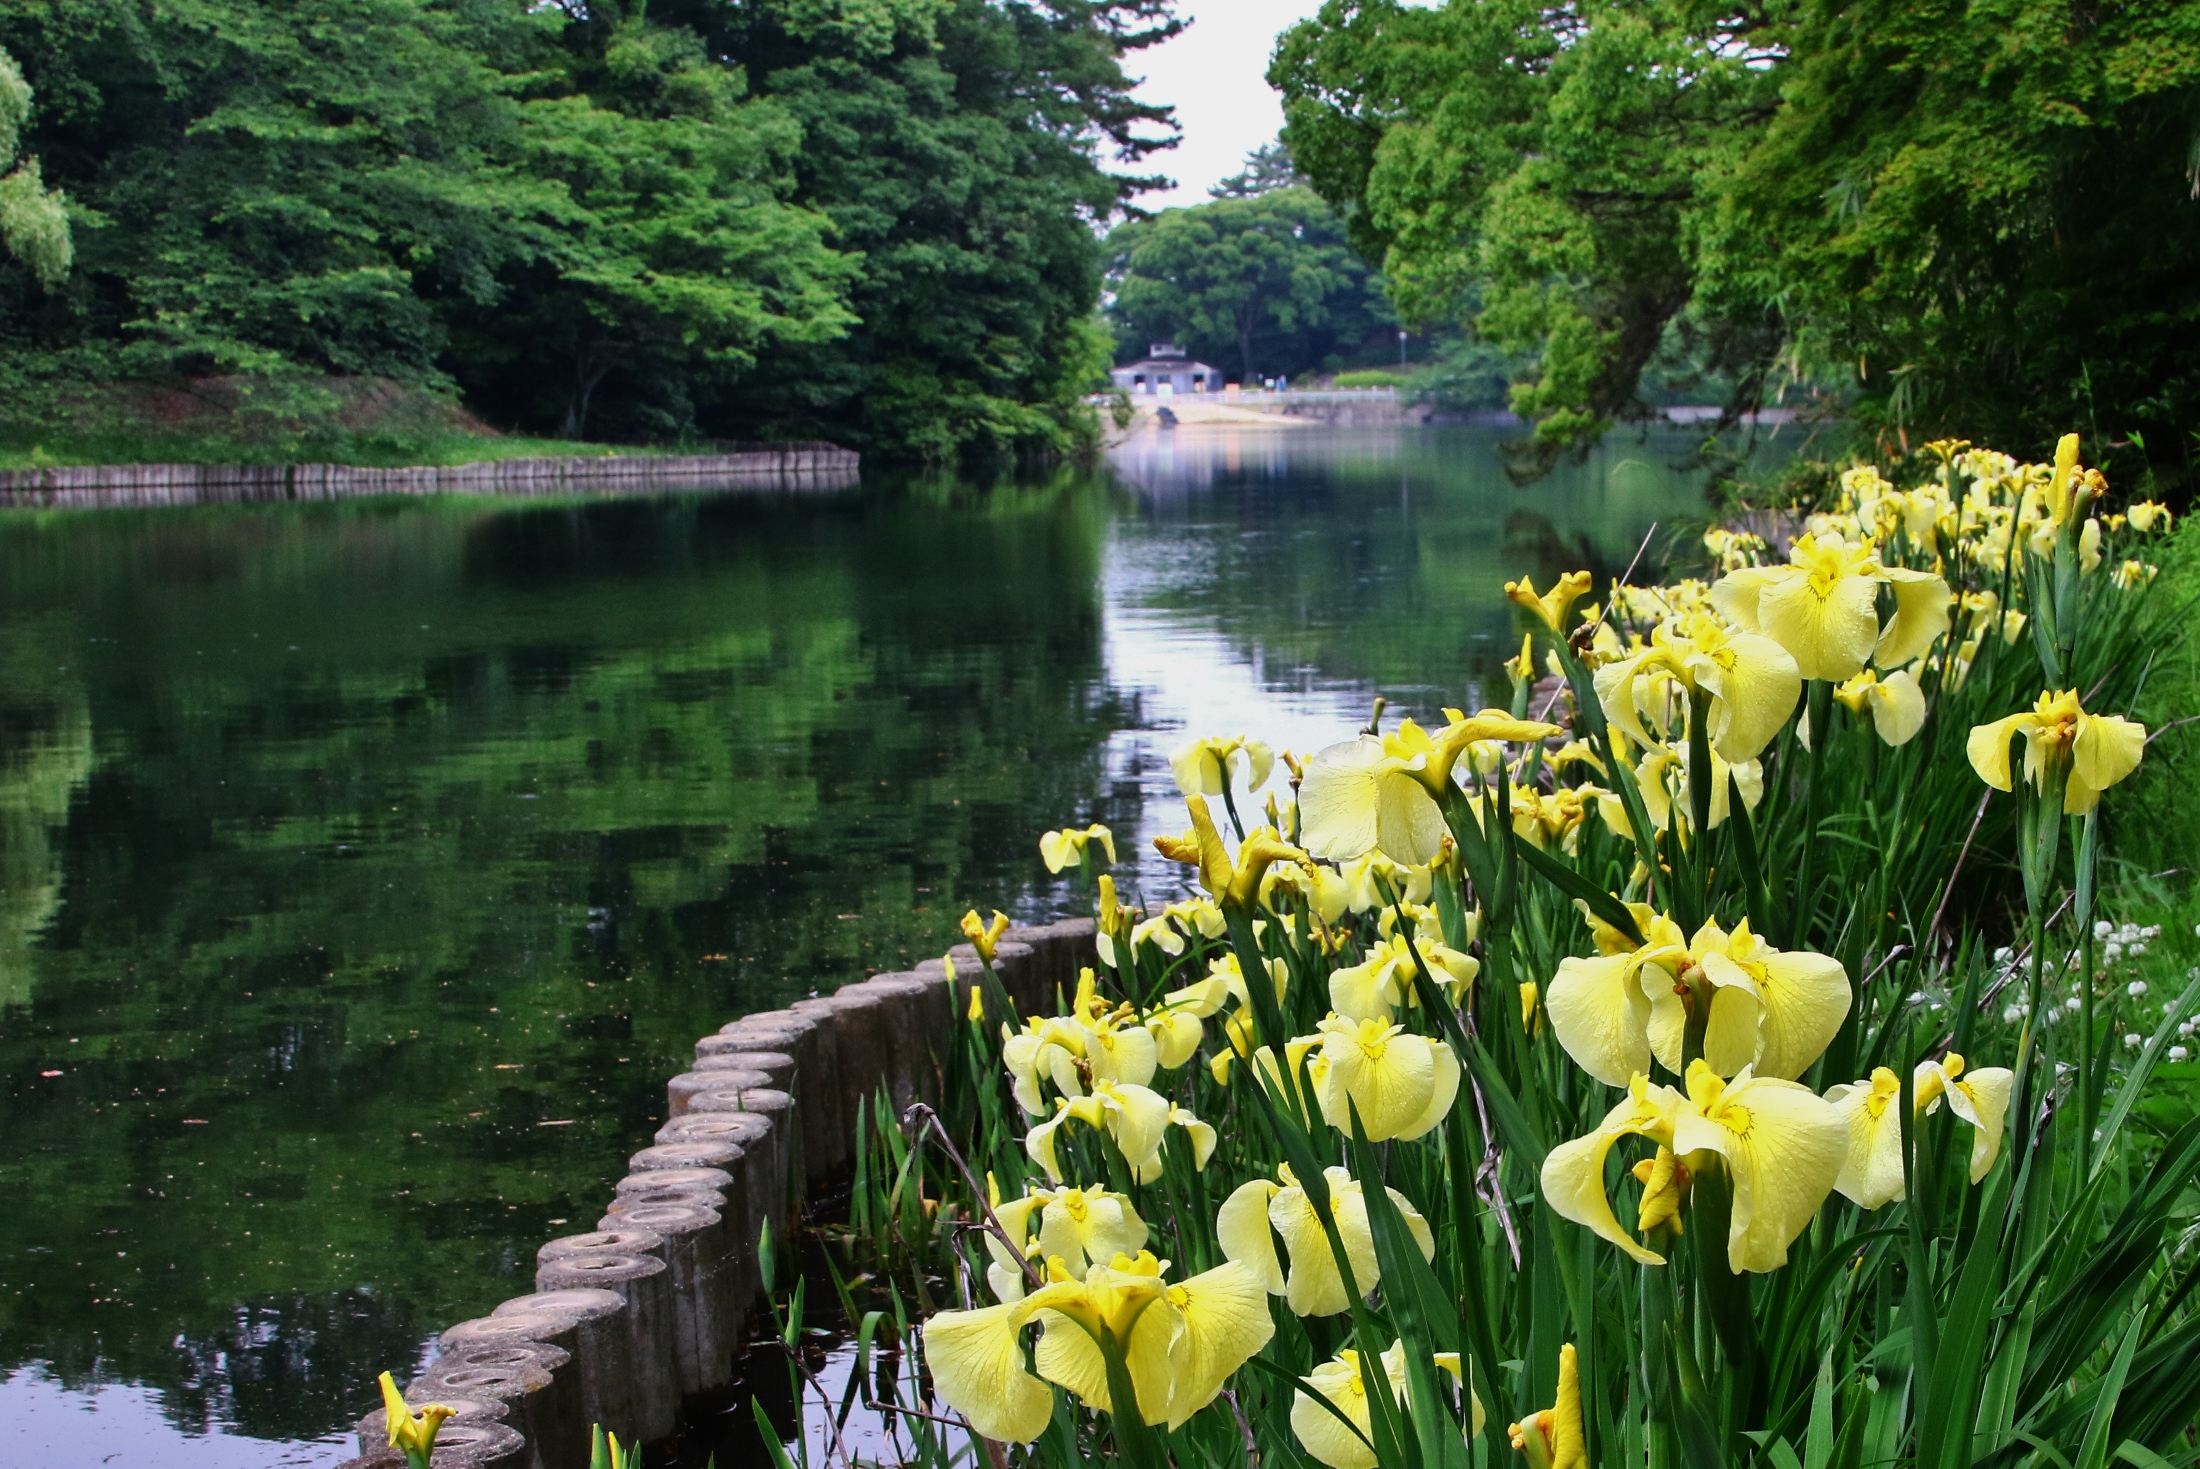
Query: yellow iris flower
[[1823, 607], [411, 1430], [2098, 749], [1783, 1146], [1896, 703], [1553, 1438], [1066, 848], [2147, 516], [1770, 1010], [1773, 1011], [1872, 1172], [984, 936], [1231, 882], [1259, 1211], [1753, 683], [1402, 1084], [1079, 1227], [1340, 1381], [1376, 987], [1180, 1343], [1378, 793], [1204, 767], [1552, 607], [1135, 1117], [1662, 777]]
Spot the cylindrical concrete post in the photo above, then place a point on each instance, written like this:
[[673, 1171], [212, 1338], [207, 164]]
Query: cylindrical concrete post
[[551, 1417], [859, 1020], [623, 1205], [529, 1391], [688, 1083], [604, 1348], [758, 1188], [917, 1016], [603, 1242], [697, 1249], [809, 1038], [784, 1156], [645, 1283], [717, 1180], [738, 1053], [686, 1155]]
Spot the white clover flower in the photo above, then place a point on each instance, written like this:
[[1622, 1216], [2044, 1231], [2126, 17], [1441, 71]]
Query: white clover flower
[[2001, 955], [2136, 988], [2151, 931], [2185, 1029], [2011, 1014], [2138, 949], [2073, 1004], [2178, 1053], [2133, 1040], [2103, 928]]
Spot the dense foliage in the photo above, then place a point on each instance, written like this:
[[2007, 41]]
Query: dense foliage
[[1259, 282], [1728, 1056], [869, 220], [1936, 215]]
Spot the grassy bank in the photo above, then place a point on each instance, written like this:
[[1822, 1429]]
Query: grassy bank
[[364, 421]]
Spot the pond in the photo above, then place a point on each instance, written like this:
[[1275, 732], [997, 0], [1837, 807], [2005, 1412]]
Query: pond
[[366, 868]]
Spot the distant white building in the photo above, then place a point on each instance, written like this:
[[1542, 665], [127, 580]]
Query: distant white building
[[1165, 371]]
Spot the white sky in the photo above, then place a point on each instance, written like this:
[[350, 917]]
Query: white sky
[[1212, 74]]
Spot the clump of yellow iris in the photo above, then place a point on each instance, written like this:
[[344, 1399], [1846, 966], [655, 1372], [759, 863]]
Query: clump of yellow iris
[[1262, 1209], [1379, 792], [1206, 767], [1342, 1383], [1751, 680], [1401, 1084], [1135, 1118], [1871, 1172], [2095, 750], [1076, 1226], [1822, 607], [1782, 1145], [1179, 1343], [1767, 1009], [1066, 848]]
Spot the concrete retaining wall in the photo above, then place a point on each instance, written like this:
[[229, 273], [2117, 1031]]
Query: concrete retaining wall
[[652, 1304], [777, 466]]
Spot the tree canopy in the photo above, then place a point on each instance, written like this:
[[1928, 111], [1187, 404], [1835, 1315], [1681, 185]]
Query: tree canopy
[[1971, 218], [871, 220], [1261, 280]]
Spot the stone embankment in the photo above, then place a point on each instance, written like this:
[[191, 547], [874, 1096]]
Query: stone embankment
[[651, 1306], [772, 466]]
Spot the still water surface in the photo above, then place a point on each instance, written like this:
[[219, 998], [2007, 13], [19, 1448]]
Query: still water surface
[[366, 868]]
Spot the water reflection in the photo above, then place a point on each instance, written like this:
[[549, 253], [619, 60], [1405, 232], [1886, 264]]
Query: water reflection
[[365, 868]]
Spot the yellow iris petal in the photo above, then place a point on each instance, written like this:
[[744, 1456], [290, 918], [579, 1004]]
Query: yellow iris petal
[[1784, 1146], [1871, 1168], [1573, 1172], [977, 1364]]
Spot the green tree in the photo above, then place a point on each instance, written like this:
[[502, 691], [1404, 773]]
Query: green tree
[[34, 224], [960, 147], [1265, 279], [330, 189], [1977, 219]]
